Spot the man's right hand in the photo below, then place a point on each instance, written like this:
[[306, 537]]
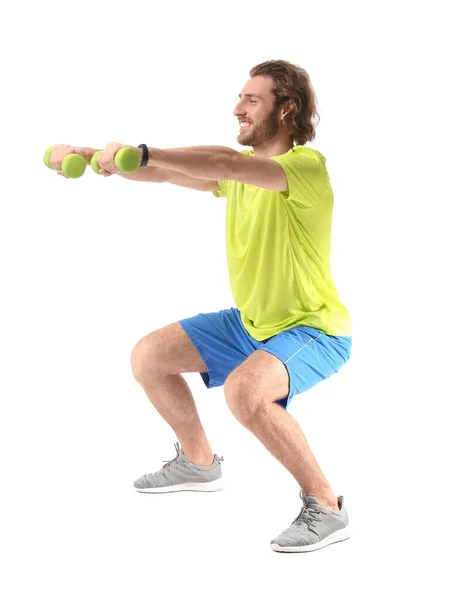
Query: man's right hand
[[60, 151]]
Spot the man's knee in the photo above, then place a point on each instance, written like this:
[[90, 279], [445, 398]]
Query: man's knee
[[242, 397], [166, 351], [143, 357]]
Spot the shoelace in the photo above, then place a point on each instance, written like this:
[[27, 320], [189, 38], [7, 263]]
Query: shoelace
[[172, 460], [308, 515]]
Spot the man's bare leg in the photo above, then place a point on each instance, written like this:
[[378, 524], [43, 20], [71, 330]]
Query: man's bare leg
[[283, 437], [250, 391], [157, 362]]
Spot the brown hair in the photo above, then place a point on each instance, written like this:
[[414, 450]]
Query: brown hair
[[291, 82]]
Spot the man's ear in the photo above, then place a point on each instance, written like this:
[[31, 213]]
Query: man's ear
[[288, 107]]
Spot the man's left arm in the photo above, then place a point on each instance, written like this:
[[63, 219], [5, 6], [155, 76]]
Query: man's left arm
[[221, 163]]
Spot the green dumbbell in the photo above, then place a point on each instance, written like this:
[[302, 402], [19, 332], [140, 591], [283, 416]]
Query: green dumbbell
[[72, 165], [126, 160]]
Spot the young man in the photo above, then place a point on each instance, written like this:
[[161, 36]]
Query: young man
[[289, 329]]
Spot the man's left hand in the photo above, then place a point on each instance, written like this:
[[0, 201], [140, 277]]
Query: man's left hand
[[105, 160]]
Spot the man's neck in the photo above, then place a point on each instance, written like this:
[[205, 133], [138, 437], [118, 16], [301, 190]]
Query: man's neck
[[273, 149]]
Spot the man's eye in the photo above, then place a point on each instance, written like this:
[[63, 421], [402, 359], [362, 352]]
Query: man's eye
[[252, 102]]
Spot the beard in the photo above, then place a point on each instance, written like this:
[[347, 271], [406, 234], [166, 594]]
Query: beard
[[259, 134]]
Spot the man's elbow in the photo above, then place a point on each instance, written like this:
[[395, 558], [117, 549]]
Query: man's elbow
[[230, 163]]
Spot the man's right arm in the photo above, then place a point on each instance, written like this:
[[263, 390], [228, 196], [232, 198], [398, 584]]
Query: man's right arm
[[162, 175]]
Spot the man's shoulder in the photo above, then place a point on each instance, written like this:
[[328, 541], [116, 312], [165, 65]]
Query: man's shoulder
[[304, 150], [307, 151]]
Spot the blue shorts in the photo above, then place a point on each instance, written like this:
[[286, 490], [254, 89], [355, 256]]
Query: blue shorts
[[309, 355]]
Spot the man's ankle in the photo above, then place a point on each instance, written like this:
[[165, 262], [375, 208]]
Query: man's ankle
[[200, 460], [330, 502]]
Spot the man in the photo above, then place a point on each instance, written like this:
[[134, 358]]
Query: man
[[289, 330]]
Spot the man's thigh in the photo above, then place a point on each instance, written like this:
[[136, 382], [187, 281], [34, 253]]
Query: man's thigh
[[169, 351], [222, 341], [309, 355]]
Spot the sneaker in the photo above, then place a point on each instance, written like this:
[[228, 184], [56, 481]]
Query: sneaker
[[181, 475], [314, 528]]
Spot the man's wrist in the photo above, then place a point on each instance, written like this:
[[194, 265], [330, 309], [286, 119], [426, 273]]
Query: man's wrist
[[144, 155]]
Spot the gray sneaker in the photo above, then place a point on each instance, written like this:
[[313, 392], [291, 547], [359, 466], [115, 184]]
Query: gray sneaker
[[314, 528], [181, 475]]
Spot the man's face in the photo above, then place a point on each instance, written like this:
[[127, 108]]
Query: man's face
[[256, 107]]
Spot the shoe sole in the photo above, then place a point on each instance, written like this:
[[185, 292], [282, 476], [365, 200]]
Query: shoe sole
[[337, 536], [207, 486]]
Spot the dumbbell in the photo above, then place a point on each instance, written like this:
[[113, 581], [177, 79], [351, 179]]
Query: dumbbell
[[126, 160]]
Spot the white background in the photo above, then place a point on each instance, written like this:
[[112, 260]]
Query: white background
[[90, 266]]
